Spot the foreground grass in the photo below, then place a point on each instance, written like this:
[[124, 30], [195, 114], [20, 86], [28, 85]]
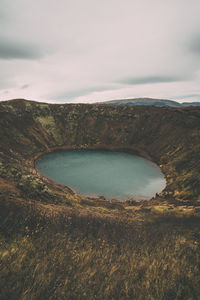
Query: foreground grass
[[156, 256]]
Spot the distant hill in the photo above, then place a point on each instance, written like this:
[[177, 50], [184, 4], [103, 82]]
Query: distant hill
[[190, 104], [151, 102]]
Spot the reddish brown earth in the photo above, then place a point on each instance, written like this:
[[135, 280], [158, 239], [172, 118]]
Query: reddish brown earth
[[168, 136], [55, 244]]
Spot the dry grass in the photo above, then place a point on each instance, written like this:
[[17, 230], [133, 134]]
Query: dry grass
[[141, 255]]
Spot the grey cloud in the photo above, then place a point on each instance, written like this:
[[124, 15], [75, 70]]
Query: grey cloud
[[5, 81], [194, 45], [149, 79], [18, 50], [25, 86], [190, 96], [3, 10], [73, 94], [85, 54]]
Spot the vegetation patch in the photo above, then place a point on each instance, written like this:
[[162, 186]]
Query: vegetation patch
[[56, 244], [48, 123]]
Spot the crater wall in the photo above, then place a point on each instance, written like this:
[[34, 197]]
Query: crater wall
[[168, 136]]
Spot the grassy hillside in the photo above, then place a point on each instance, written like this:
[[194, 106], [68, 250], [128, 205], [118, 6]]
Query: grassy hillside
[[55, 244]]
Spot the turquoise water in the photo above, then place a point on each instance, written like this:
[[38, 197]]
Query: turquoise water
[[103, 173]]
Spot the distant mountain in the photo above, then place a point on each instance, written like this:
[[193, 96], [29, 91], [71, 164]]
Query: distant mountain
[[190, 104], [151, 102]]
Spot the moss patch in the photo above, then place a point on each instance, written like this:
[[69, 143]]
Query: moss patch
[[49, 124]]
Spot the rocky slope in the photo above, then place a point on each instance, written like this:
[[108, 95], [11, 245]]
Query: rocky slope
[[168, 136]]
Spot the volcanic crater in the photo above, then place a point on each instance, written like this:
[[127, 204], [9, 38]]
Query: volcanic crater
[[167, 136]]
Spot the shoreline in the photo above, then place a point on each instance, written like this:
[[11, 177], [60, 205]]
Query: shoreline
[[134, 151]]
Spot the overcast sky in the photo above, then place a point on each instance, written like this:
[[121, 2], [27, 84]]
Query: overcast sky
[[92, 50]]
